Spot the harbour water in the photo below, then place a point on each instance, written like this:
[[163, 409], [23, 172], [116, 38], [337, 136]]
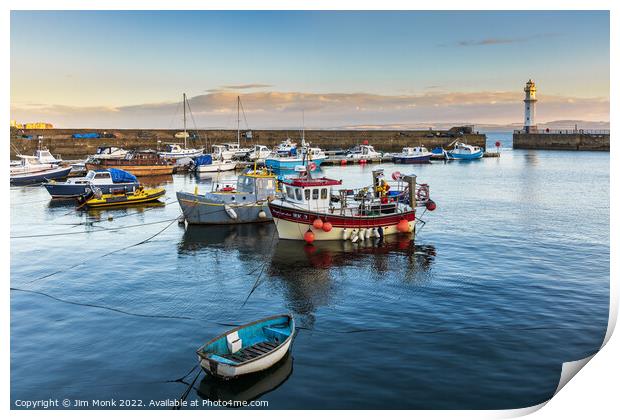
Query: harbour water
[[508, 279]]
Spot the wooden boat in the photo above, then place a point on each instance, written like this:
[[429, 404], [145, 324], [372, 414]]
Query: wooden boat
[[95, 199], [249, 348], [138, 163]]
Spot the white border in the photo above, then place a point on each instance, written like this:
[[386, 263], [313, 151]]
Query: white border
[[593, 394]]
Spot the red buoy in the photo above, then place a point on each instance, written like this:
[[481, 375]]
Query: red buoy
[[327, 227], [309, 236], [318, 223], [343, 162], [497, 144], [430, 205], [365, 142], [396, 176], [403, 226], [362, 161]]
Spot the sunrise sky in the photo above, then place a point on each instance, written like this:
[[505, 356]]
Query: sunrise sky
[[344, 69]]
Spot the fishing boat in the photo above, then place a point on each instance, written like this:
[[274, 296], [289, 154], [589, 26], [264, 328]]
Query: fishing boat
[[107, 180], [31, 171], [96, 199], [175, 151], [240, 201], [418, 154], [312, 209], [208, 163], [249, 348], [364, 151], [139, 163], [259, 153], [304, 156], [286, 148], [221, 152], [464, 151], [109, 152]]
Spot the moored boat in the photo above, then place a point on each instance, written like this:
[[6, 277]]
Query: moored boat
[[209, 163], [312, 209], [418, 154], [138, 163], [95, 198], [31, 171], [364, 151], [109, 152], [243, 201], [260, 152], [464, 151], [175, 151], [305, 156], [248, 348], [107, 180]]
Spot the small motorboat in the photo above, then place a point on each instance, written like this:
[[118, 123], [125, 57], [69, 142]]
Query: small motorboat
[[209, 163], [249, 348], [307, 154], [31, 171], [95, 198], [464, 151], [176, 151], [364, 151], [107, 180], [260, 152], [418, 154]]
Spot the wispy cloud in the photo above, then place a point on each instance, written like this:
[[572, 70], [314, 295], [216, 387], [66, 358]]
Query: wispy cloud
[[246, 86], [273, 109], [497, 40]]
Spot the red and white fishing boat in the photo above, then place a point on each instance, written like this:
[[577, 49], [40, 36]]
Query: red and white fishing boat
[[312, 209]]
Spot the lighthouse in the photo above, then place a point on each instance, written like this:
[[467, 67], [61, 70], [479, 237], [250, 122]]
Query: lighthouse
[[529, 124]]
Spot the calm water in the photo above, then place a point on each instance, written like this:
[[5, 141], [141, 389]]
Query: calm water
[[508, 279]]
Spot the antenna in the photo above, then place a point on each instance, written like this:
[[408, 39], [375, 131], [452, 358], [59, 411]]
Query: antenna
[[238, 120], [184, 122]]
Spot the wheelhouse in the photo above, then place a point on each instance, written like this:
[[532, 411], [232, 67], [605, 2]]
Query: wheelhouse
[[310, 193]]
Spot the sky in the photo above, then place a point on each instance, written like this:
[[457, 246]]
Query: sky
[[350, 69]]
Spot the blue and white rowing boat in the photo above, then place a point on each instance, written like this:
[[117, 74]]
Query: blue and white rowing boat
[[249, 348], [464, 151]]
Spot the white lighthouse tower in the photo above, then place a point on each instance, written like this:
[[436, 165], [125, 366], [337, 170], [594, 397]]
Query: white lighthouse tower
[[529, 124]]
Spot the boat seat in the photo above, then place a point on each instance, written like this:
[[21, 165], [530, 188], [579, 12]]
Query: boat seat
[[278, 331], [222, 359], [252, 351]]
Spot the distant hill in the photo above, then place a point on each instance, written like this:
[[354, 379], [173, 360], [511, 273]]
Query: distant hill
[[556, 125]]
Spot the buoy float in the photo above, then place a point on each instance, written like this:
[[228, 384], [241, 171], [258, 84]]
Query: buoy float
[[230, 211], [309, 236], [362, 161], [403, 226], [375, 233], [430, 205], [262, 214], [354, 235], [345, 234], [362, 234], [396, 175], [312, 166], [327, 227], [343, 162], [497, 144], [317, 224]]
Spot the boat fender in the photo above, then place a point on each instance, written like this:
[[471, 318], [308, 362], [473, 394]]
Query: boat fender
[[345, 234], [354, 235], [262, 214], [230, 211], [380, 232], [374, 233], [362, 234]]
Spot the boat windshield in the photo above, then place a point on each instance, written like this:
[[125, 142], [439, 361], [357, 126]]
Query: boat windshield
[[90, 175]]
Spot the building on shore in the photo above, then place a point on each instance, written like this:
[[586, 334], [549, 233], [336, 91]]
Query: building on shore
[[32, 126], [531, 137]]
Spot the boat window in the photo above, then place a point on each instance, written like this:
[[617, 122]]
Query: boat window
[[323, 193], [307, 194], [315, 194], [290, 193], [102, 175], [298, 194]]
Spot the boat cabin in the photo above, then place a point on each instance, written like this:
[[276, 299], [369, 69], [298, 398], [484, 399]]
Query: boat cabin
[[463, 148], [413, 151], [174, 148], [313, 193], [110, 151]]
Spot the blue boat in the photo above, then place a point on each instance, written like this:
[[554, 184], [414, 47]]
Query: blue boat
[[464, 151], [249, 348], [109, 181], [308, 155], [417, 154]]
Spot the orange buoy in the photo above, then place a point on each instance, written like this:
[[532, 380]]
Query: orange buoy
[[343, 162], [309, 236], [362, 161], [403, 226], [327, 227], [318, 223]]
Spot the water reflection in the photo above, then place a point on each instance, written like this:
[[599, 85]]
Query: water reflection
[[245, 238], [155, 180], [247, 388]]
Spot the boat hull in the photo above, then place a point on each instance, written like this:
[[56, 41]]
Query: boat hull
[[124, 200], [63, 190], [137, 170], [199, 210], [412, 159], [216, 167], [294, 223], [40, 176], [279, 164], [465, 156]]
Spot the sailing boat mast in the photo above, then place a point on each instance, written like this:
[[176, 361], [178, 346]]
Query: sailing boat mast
[[184, 123], [238, 122]]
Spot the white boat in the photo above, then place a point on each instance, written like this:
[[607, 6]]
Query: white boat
[[418, 154], [175, 151], [41, 155], [260, 152], [208, 163], [238, 152], [364, 151], [32, 171], [249, 348], [109, 152], [221, 152], [286, 148]]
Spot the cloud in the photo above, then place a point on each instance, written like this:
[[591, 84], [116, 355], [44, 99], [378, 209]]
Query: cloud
[[498, 41], [274, 109], [246, 86]]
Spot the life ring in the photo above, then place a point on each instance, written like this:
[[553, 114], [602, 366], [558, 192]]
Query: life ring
[[422, 194]]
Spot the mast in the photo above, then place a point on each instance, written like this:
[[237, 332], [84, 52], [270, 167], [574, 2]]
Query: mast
[[238, 121], [184, 122]]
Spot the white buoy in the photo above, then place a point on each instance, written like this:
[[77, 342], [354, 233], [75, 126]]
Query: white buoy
[[262, 214], [230, 211]]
